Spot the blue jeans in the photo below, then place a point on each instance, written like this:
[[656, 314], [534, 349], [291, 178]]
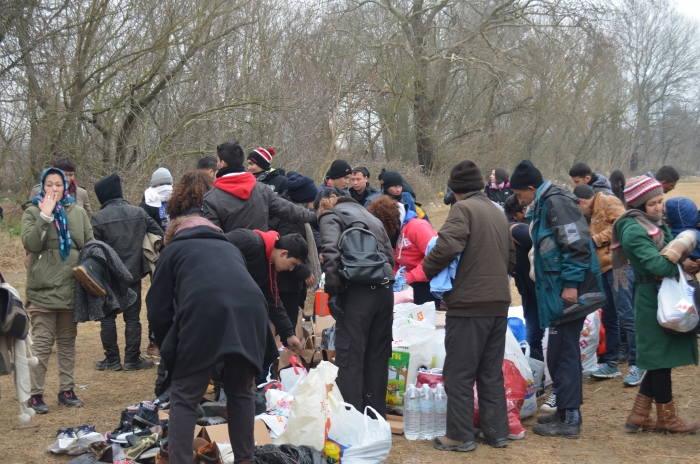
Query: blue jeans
[[533, 332], [619, 312]]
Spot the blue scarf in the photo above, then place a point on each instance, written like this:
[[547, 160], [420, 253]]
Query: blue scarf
[[60, 219]]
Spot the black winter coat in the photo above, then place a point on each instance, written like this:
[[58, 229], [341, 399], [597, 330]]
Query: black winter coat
[[498, 196], [123, 227], [263, 273], [154, 213], [361, 198], [203, 304], [274, 179]]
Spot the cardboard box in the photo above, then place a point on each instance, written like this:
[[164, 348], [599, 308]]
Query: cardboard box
[[262, 435], [396, 424], [219, 433], [164, 414]]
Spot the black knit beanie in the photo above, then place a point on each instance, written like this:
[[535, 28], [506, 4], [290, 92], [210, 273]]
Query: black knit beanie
[[301, 189], [526, 175], [361, 169], [108, 188], [392, 179], [466, 177], [338, 169]]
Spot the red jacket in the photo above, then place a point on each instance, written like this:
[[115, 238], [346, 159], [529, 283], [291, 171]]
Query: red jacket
[[410, 249]]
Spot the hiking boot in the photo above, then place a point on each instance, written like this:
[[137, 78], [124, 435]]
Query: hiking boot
[[492, 442], [548, 418], [91, 275], [138, 365], [624, 355], [639, 418], [634, 377], [147, 415], [36, 402], [106, 365], [68, 398], [606, 371], [551, 404], [209, 454], [152, 351], [668, 421], [570, 427], [448, 444]]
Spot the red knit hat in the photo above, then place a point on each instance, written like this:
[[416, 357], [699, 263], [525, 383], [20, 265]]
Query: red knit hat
[[262, 156], [641, 189]]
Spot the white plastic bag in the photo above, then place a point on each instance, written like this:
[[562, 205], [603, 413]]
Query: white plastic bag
[[293, 376], [514, 353], [355, 438], [590, 337], [316, 399], [413, 346], [676, 308], [424, 312], [278, 402]]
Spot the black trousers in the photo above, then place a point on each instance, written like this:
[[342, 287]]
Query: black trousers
[[564, 361], [363, 345], [474, 348], [657, 384], [185, 394], [421, 294], [132, 332]]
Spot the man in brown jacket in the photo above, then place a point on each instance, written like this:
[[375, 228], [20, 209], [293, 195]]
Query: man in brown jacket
[[477, 310], [603, 211]]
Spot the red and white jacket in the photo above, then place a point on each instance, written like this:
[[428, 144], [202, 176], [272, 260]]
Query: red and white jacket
[[410, 249]]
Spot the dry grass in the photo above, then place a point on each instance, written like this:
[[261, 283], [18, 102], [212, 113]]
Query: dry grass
[[105, 394]]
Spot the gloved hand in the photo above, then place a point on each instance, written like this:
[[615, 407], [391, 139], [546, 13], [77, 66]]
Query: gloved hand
[[400, 281], [313, 221], [336, 311]]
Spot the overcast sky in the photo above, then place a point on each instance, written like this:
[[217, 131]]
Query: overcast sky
[[690, 8]]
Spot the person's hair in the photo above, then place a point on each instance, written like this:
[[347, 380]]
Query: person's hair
[[501, 175], [386, 209], [584, 192], [231, 153], [667, 174], [64, 164], [355, 171], [173, 227], [327, 198], [512, 206], [207, 162], [188, 192], [617, 181], [580, 170], [295, 245]]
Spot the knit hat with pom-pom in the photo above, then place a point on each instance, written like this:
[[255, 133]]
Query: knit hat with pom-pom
[[262, 157]]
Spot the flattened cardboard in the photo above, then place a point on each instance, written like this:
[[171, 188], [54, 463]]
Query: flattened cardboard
[[164, 414], [323, 323], [396, 424], [298, 328], [216, 433], [262, 435]]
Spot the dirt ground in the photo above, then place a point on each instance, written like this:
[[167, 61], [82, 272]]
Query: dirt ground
[[106, 394]]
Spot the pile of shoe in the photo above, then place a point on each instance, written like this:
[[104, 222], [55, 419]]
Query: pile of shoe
[[75, 441]]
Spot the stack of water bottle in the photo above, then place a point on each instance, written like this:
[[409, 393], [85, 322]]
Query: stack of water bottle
[[424, 412]]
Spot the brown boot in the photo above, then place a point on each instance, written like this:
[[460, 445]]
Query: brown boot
[[668, 421], [639, 418]]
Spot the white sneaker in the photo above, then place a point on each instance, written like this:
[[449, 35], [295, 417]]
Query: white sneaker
[[550, 405]]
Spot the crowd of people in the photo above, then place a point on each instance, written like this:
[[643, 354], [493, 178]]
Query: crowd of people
[[242, 242]]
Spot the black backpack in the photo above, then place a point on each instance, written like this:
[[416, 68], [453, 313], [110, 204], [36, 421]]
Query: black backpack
[[360, 259]]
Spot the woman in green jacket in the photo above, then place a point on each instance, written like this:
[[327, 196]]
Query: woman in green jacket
[[54, 229], [638, 237]]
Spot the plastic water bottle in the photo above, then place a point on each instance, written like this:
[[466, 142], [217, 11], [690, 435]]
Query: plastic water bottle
[[440, 411], [427, 413], [411, 413]]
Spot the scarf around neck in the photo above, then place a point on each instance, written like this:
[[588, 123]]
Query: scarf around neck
[[651, 224], [60, 219]]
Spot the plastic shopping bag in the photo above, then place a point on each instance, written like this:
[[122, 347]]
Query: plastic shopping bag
[[316, 399], [424, 312], [355, 438], [676, 308], [413, 347], [515, 397], [514, 353], [293, 376], [590, 336], [404, 296]]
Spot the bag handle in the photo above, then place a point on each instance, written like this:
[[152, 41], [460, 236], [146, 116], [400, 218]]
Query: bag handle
[[378, 416], [296, 365]]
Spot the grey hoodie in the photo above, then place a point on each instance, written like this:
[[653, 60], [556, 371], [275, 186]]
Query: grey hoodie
[[600, 183]]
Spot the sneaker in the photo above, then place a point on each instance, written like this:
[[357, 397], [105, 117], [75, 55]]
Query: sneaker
[[85, 430], [68, 398], [551, 404], [152, 351], [138, 365], [606, 371], [105, 365], [36, 402], [66, 434], [634, 377]]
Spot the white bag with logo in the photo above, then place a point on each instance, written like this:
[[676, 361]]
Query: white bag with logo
[[676, 308]]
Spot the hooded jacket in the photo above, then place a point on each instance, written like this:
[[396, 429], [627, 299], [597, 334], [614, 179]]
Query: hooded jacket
[[194, 315], [562, 257], [123, 227], [605, 209], [410, 247], [256, 247], [477, 229], [274, 179], [682, 215], [331, 227], [238, 201], [600, 184], [361, 198], [498, 196]]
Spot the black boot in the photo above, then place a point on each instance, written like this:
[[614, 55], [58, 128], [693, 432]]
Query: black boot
[[92, 275], [567, 425]]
